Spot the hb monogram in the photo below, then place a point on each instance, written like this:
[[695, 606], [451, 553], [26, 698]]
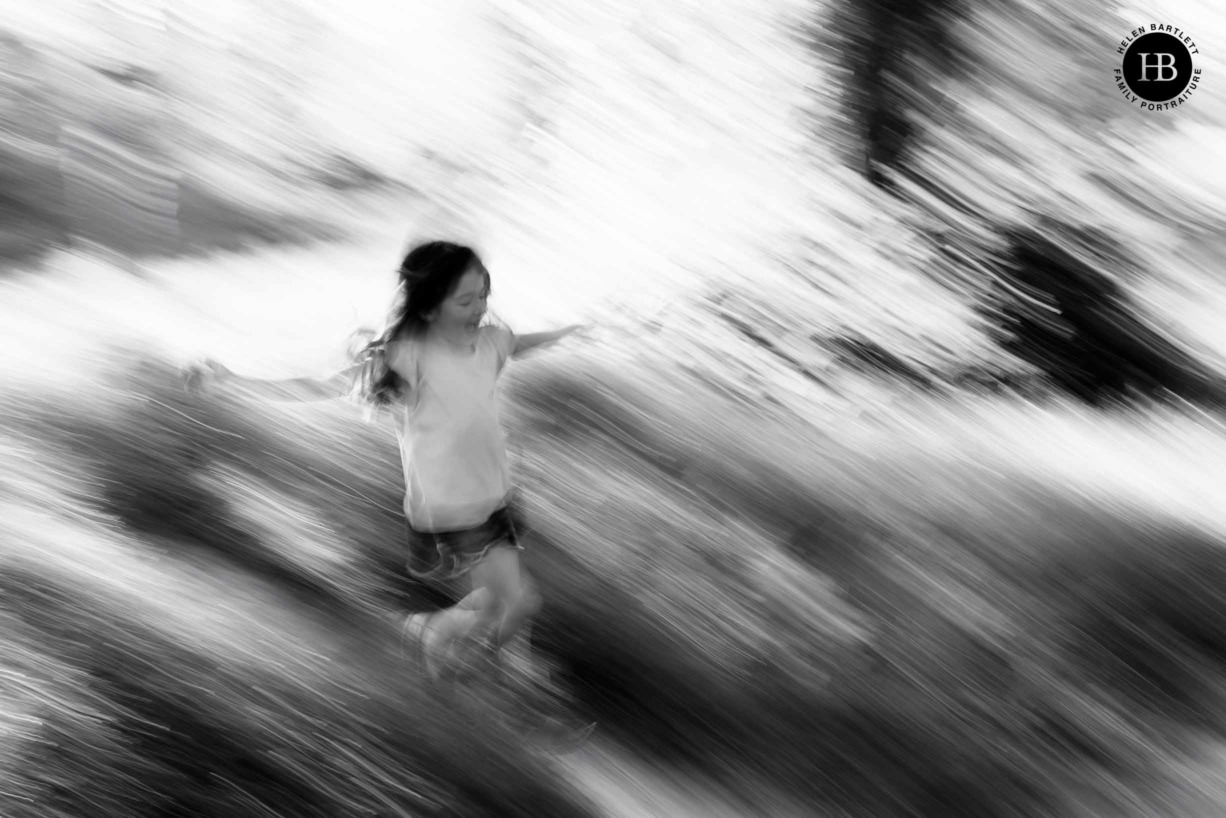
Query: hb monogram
[[1162, 66]]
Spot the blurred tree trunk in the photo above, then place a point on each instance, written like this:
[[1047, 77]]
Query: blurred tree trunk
[[881, 51], [885, 124]]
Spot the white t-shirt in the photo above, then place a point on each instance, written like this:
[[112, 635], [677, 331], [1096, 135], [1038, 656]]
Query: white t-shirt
[[451, 443]]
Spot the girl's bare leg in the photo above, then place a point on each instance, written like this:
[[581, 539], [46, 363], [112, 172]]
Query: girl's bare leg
[[502, 600], [515, 599], [516, 619]]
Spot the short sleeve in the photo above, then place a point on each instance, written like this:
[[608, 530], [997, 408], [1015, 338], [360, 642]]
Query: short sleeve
[[503, 341], [402, 360]]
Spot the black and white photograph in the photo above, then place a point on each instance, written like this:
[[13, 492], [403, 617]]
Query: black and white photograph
[[612, 409]]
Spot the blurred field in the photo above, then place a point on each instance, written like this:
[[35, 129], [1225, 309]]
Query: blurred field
[[826, 522], [899, 623]]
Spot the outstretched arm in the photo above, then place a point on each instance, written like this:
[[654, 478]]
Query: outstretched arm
[[287, 389], [532, 340]]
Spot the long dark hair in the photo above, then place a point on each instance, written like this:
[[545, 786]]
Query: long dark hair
[[428, 274]]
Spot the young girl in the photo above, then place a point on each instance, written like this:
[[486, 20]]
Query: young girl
[[435, 366]]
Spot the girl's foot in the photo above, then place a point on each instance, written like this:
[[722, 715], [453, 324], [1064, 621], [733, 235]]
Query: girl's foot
[[418, 631]]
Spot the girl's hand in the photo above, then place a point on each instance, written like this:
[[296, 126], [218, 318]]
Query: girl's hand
[[220, 371], [581, 330], [533, 340], [200, 376]]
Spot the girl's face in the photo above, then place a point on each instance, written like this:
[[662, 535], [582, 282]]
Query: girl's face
[[461, 311]]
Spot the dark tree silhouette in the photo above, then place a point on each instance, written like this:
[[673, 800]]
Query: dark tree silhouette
[[1080, 328], [880, 51]]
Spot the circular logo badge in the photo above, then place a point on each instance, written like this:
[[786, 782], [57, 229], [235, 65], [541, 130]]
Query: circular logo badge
[[1158, 70], [1157, 67]]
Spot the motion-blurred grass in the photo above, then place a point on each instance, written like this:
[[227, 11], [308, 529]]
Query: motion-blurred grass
[[196, 623], [886, 622], [906, 625]]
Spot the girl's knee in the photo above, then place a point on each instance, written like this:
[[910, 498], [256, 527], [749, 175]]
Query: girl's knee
[[523, 601], [528, 598], [529, 601], [511, 591]]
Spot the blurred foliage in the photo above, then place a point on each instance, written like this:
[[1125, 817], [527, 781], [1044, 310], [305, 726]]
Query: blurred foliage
[[1055, 271], [166, 654], [893, 634], [1077, 326], [884, 629], [134, 155]]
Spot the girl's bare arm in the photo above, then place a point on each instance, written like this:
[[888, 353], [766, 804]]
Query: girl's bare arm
[[286, 389], [532, 340]]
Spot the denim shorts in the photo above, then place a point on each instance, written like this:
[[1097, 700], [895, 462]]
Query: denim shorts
[[440, 556]]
